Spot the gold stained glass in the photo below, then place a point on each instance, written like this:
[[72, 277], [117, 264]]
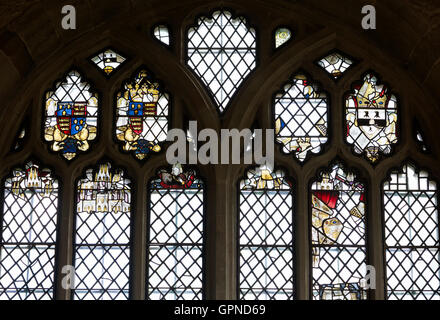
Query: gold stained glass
[[71, 116], [142, 115], [371, 118], [282, 35], [335, 64], [338, 235], [108, 61]]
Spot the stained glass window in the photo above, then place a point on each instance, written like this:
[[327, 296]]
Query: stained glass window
[[371, 115], [20, 137], [282, 35], [338, 235], [420, 138], [412, 247], [176, 236], [108, 61], [162, 34], [266, 247], [142, 115], [102, 239], [28, 234], [336, 64], [222, 52], [71, 116], [301, 119]]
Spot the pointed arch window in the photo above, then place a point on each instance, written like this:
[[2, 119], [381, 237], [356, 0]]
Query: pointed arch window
[[222, 52], [301, 117], [142, 109], [175, 248], [265, 239], [337, 206], [71, 116], [371, 118], [28, 234], [102, 235], [412, 247]]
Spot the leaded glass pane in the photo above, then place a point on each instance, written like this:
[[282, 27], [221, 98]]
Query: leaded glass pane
[[102, 237], [222, 52], [371, 118], [108, 61], [142, 115], [301, 119], [338, 235], [282, 35], [411, 236], [71, 116], [266, 236], [335, 64], [28, 234], [162, 34], [176, 236]]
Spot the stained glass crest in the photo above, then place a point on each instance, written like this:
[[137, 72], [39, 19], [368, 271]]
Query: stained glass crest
[[338, 235], [108, 61], [371, 118], [222, 52], [336, 64], [142, 115], [176, 235], [282, 35], [103, 235], [71, 116], [301, 117], [264, 177], [29, 233]]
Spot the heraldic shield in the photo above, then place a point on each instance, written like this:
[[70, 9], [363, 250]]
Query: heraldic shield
[[71, 117], [137, 111]]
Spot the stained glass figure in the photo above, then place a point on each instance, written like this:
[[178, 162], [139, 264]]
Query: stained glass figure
[[142, 115], [282, 35], [108, 61], [28, 234], [71, 116], [412, 248], [162, 34], [338, 235], [176, 236], [102, 237], [301, 119], [222, 52], [336, 64], [371, 115], [266, 247]]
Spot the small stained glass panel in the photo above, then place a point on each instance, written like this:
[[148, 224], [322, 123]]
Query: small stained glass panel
[[162, 34], [108, 61], [142, 115], [266, 253], [176, 236], [222, 52], [301, 119], [29, 232], [282, 35], [102, 237], [335, 64], [338, 235], [71, 116], [371, 118], [412, 246]]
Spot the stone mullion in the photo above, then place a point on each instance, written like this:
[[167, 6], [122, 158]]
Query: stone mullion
[[65, 235]]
